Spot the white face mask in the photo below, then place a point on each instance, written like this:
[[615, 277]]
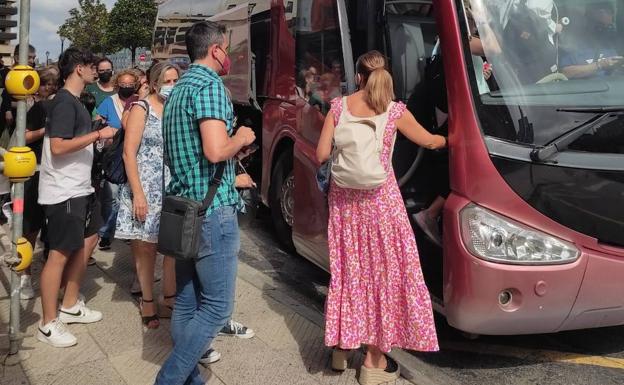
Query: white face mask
[[165, 91]]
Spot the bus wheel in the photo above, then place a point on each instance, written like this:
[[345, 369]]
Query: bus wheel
[[281, 199]]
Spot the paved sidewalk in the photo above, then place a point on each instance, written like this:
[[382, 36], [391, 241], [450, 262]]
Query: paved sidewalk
[[288, 347]]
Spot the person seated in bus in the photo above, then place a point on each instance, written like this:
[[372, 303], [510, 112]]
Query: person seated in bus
[[329, 87], [483, 72], [306, 89], [526, 42], [304, 84], [595, 54], [547, 11]]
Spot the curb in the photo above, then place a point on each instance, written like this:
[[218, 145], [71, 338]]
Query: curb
[[412, 368]]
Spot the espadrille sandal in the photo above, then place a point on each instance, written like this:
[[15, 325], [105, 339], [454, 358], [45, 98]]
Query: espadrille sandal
[[374, 376]]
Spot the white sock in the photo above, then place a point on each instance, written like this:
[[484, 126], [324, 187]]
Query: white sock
[[72, 309]]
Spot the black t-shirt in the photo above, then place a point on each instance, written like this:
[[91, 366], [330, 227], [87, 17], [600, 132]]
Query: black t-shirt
[[65, 176], [35, 120], [70, 117]]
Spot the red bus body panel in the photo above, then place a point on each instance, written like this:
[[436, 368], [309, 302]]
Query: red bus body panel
[[572, 296], [583, 294]]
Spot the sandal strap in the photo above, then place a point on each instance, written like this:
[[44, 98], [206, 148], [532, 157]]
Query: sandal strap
[[147, 300], [147, 319]]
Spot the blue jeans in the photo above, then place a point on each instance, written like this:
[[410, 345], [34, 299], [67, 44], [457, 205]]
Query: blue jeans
[[110, 208], [205, 297]]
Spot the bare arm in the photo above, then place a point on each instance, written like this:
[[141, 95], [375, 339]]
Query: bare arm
[[35, 135], [586, 70], [476, 47], [413, 131], [580, 71], [124, 118], [324, 147], [60, 146], [132, 140], [216, 143]]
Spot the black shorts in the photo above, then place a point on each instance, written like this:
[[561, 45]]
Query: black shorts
[[33, 211], [70, 222]]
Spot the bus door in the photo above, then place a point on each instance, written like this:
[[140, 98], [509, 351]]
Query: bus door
[[411, 36], [324, 71]]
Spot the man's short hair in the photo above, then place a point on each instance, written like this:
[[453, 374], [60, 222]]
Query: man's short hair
[[30, 49], [71, 58], [201, 36], [104, 60], [601, 6]]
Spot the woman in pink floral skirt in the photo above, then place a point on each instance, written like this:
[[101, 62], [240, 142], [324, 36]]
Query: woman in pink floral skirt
[[377, 295]]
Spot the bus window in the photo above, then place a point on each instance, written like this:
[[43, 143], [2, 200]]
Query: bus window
[[320, 73], [548, 59], [261, 31]]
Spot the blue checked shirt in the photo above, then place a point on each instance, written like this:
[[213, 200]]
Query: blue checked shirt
[[199, 94]]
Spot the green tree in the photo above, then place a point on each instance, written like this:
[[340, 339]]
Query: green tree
[[86, 26], [131, 24]]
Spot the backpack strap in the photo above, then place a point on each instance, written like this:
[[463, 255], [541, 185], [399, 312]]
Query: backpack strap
[[118, 105], [395, 111]]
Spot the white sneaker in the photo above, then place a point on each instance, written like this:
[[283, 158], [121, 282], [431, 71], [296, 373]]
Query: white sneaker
[[55, 333], [26, 290], [79, 314], [210, 357]]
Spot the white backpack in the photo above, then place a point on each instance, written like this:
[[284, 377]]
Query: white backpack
[[358, 143]]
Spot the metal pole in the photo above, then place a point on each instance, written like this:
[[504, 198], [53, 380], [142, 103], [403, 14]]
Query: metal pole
[[371, 9], [18, 188]]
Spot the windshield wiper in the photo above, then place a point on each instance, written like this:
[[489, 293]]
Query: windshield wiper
[[543, 153], [591, 109]]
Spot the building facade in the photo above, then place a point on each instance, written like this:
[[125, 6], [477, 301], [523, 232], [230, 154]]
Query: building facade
[[8, 25]]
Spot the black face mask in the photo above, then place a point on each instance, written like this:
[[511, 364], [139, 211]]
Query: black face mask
[[105, 76], [126, 92]]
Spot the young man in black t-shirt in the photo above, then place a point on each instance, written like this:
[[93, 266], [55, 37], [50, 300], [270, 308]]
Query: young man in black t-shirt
[[35, 130], [67, 196]]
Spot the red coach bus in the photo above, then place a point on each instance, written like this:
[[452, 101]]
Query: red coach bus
[[533, 229]]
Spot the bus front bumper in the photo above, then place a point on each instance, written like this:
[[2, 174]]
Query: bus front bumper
[[489, 298]]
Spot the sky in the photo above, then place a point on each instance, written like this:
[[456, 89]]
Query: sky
[[45, 19]]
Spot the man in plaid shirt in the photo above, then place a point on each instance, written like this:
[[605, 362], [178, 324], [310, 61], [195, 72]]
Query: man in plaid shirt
[[198, 127]]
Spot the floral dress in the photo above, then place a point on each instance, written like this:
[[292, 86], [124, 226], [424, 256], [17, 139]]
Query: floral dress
[[377, 294], [150, 164]]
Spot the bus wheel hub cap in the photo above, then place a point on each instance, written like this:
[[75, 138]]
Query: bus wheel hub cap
[[287, 201]]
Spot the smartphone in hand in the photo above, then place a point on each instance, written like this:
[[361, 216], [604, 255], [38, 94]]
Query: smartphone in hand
[[246, 151]]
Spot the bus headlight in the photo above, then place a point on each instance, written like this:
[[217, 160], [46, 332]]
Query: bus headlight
[[495, 238]]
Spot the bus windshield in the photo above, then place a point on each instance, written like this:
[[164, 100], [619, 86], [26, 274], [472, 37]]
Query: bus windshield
[[540, 67]]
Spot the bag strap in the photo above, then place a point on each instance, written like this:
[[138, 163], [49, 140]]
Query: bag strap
[[214, 186]]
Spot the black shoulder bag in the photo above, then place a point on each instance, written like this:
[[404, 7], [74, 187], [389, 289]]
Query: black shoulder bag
[[181, 219]]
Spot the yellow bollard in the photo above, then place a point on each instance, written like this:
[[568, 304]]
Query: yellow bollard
[[25, 253], [22, 81], [20, 163]]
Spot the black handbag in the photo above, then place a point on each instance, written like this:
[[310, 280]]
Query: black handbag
[[181, 221]]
